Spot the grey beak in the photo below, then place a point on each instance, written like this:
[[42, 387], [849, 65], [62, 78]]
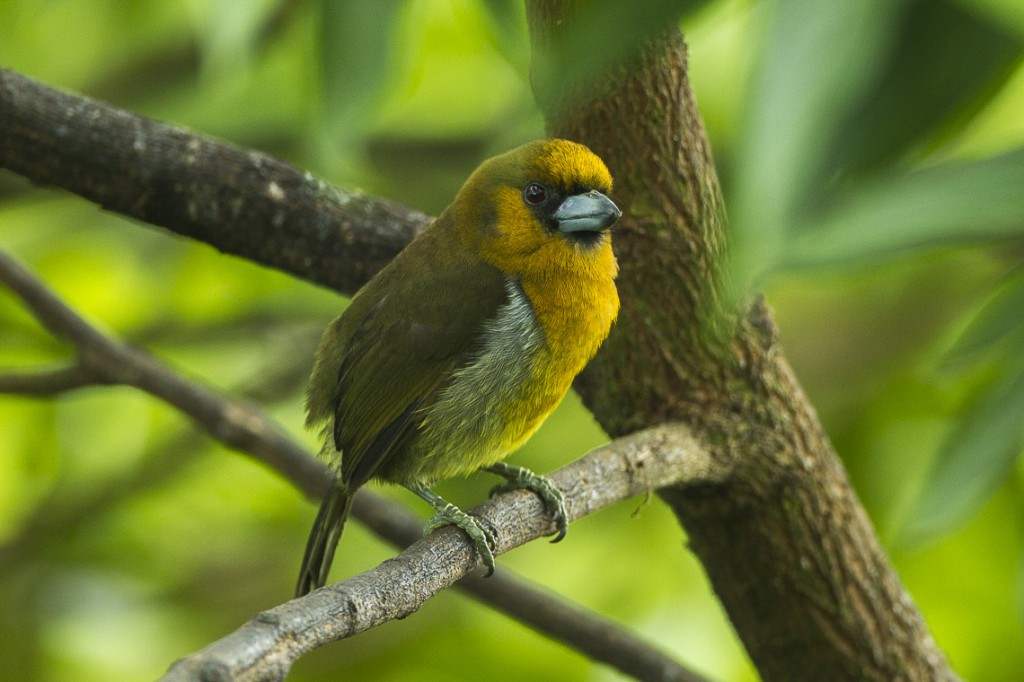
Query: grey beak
[[590, 212]]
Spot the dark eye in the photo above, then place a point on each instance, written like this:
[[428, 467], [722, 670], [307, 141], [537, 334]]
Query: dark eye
[[535, 193]]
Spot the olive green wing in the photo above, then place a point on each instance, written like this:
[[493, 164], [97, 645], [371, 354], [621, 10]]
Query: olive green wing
[[413, 332]]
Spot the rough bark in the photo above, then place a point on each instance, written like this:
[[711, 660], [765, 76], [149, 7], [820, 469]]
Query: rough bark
[[240, 201], [785, 541]]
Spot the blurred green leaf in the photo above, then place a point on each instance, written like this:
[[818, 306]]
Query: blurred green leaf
[[1001, 318], [356, 41], [230, 33], [817, 59], [594, 38], [946, 64], [507, 28], [956, 202], [973, 462]]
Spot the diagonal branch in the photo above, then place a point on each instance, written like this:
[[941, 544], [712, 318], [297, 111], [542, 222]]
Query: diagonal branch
[[45, 383], [266, 646], [108, 361], [591, 634], [242, 202], [625, 468]]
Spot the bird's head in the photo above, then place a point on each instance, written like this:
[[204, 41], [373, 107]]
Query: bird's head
[[540, 208]]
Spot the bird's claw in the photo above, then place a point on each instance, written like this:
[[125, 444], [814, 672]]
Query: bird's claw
[[519, 477], [482, 537]]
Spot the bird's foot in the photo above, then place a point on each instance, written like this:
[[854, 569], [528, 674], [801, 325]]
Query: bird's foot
[[519, 477], [447, 514]]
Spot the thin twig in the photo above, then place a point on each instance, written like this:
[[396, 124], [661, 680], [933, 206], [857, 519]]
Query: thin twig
[[46, 383], [622, 469], [107, 361]]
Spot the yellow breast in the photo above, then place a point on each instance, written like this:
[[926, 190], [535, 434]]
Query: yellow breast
[[576, 317]]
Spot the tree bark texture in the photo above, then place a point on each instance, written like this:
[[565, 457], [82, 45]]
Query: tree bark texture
[[784, 539], [240, 201]]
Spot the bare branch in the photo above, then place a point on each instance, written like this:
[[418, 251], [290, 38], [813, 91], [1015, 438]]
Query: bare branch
[[520, 516], [46, 383], [242, 202], [266, 646], [109, 361], [589, 633], [600, 640]]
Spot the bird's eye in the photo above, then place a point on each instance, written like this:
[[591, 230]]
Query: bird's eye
[[535, 193]]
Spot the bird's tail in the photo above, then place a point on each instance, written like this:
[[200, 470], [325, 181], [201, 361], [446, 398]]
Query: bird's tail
[[323, 539]]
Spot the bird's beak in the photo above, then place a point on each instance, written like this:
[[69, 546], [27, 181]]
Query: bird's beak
[[590, 212]]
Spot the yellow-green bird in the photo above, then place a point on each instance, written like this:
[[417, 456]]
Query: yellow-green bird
[[454, 353]]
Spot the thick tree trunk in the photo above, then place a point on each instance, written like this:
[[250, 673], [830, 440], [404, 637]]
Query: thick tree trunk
[[785, 541]]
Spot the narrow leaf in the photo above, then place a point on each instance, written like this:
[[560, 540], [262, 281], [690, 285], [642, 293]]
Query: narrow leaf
[[1000, 319], [973, 462], [356, 43], [818, 59], [954, 203], [946, 65], [596, 36], [506, 24]]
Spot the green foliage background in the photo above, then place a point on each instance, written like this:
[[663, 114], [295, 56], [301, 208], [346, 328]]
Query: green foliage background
[[873, 159]]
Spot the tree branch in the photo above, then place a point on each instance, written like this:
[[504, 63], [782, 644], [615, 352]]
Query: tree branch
[[518, 516], [242, 202], [590, 634], [45, 383], [265, 647]]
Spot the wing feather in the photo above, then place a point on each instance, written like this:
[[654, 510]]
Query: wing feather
[[406, 336]]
